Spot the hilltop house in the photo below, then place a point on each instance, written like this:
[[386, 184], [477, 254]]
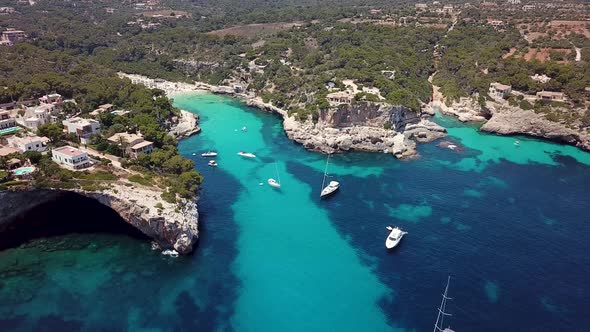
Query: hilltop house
[[37, 116], [102, 109], [6, 121], [70, 157], [52, 99], [27, 143], [83, 128], [552, 96], [499, 91], [133, 144], [11, 36], [340, 97]]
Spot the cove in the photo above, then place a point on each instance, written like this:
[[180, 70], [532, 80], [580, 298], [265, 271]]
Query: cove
[[291, 261], [510, 227]]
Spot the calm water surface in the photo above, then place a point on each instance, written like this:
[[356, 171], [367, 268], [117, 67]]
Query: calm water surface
[[509, 224]]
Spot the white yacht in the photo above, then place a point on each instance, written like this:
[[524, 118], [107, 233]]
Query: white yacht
[[170, 252], [246, 154], [209, 154], [212, 163], [274, 183], [332, 186], [394, 237]]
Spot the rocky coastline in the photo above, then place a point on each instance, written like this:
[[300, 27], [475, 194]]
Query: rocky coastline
[[172, 226]]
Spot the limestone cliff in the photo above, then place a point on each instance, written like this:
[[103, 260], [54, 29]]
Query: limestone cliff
[[507, 120], [361, 126], [172, 226]]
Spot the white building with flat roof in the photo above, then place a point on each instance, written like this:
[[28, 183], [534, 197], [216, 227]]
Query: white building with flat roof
[[24, 144], [83, 128], [6, 121], [70, 157]]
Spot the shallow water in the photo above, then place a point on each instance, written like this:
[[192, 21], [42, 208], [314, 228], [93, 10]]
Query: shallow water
[[507, 223]]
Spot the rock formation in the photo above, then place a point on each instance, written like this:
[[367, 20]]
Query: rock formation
[[173, 226], [186, 125], [507, 120], [362, 127]]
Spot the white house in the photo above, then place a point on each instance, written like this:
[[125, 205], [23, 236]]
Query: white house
[[499, 91], [83, 128], [70, 157], [54, 98], [24, 144], [6, 121], [36, 116]]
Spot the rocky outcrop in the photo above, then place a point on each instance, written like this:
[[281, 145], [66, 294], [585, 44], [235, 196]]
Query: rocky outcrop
[[466, 110], [185, 125], [508, 120], [360, 127], [173, 226]]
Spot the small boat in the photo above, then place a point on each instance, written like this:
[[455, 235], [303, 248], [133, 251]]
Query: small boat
[[394, 237], [246, 154], [517, 143], [194, 154], [171, 253], [274, 183], [332, 186], [209, 154], [244, 128], [452, 146], [438, 326], [212, 163]]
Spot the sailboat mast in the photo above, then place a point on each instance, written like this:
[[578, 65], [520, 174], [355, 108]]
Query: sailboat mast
[[438, 326], [325, 172]]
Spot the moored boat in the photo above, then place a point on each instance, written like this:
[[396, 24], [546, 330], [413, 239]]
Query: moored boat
[[274, 183], [246, 154], [332, 186], [209, 154], [212, 163], [394, 237]]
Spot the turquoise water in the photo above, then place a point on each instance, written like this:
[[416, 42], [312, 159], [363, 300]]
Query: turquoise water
[[508, 223]]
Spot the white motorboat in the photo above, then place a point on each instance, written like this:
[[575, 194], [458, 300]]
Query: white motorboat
[[244, 128], [212, 163], [394, 237], [274, 183], [169, 252], [209, 154], [517, 143], [332, 186], [246, 154], [452, 147]]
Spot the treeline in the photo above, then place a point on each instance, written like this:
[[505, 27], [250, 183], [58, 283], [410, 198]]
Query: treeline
[[472, 58]]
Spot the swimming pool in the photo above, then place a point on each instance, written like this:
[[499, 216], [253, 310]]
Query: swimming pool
[[9, 130], [23, 170]]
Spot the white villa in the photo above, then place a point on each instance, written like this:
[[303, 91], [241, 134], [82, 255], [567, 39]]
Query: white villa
[[135, 144], [6, 121], [83, 128], [70, 157], [53, 99], [37, 116], [24, 144], [499, 90]]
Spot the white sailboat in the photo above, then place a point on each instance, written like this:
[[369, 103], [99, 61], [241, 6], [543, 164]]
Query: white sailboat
[[332, 186], [274, 183], [438, 326], [394, 237], [246, 154]]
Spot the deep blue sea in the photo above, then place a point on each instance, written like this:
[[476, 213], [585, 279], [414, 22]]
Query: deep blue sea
[[509, 224]]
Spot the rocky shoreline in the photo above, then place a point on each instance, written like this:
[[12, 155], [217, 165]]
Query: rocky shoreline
[[172, 226]]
